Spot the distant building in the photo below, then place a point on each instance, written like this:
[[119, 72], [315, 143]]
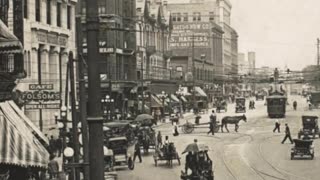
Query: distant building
[[252, 62]]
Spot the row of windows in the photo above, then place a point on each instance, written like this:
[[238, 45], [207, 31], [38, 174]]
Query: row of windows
[[184, 17], [38, 9]]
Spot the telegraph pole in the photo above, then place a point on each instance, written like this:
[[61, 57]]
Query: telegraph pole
[[194, 75], [82, 100], [95, 119]]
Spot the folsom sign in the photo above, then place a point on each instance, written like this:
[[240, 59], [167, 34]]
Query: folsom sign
[[40, 93]]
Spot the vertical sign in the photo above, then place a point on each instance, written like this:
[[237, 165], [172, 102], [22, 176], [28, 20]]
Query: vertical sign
[[18, 26]]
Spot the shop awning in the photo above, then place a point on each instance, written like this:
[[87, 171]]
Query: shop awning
[[174, 97], [155, 101], [183, 99], [9, 43], [200, 92], [18, 145]]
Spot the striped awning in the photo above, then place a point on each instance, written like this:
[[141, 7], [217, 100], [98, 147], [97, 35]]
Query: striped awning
[[155, 101], [9, 43], [18, 145], [174, 97], [184, 99], [200, 92]]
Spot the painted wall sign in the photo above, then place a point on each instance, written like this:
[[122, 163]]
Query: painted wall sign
[[41, 96], [52, 38], [184, 34], [40, 86]]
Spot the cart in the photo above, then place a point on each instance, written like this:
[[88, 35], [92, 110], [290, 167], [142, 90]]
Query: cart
[[166, 153], [147, 138], [240, 105], [302, 148], [188, 127], [309, 127], [121, 152]]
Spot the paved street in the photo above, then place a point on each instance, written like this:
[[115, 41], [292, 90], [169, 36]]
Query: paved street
[[255, 152]]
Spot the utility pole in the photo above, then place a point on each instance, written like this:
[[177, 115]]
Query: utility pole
[[82, 99], [194, 76], [95, 119], [75, 138]]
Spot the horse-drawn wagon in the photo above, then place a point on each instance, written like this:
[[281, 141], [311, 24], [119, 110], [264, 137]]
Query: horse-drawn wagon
[[147, 138], [167, 153], [188, 127]]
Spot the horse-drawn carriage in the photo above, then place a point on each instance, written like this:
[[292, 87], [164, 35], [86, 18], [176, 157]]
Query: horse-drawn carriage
[[189, 127], [309, 127], [240, 105], [201, 164], [302, 148], [167, 153]]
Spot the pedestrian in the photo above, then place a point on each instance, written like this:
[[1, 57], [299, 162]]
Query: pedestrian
[[189, 160], [175, 130], [52, 144], [159, 139], [288, 134], [213, 121], [59, 146], [53, 167], [166, 141], [295, 105], [137, 151], [277, 126]]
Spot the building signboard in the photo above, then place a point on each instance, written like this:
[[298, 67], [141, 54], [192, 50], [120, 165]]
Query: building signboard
[[52, 38], [183, 35], [42, 94]]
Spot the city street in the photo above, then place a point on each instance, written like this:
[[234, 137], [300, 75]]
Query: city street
[[255, 152]]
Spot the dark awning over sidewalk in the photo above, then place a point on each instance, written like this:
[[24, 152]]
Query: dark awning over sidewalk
[[9, 43]]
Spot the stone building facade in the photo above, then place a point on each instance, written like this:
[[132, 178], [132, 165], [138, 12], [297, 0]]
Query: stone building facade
[[49, 38]]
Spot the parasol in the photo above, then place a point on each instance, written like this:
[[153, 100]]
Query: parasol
[[143, 117], [196, 148]]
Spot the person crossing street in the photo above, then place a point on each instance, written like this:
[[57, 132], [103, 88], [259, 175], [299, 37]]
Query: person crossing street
[[137, 151], [213, 120], [288, 134], [277, 126]]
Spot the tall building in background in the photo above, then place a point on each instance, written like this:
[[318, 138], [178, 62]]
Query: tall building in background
[[47, 32], [252, 62]]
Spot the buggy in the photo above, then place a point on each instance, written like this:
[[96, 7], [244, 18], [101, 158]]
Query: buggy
[[240, 105], [166, 153], [302, 148], [122, 152], [309, 127]]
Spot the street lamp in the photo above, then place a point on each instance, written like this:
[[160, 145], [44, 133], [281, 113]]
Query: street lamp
[[107, 103], [163, 97]]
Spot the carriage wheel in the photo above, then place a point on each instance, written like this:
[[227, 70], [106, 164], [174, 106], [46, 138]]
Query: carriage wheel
[[188, 128]]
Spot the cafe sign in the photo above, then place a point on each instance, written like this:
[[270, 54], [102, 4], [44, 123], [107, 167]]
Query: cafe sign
[[41, 93]]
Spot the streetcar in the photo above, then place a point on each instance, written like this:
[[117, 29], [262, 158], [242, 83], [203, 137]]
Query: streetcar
[[276, 105]]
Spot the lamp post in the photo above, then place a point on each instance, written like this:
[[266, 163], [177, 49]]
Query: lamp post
[[107, 103], [163, 97], [143, 97]]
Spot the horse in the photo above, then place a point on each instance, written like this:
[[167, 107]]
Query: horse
[[232, 120]]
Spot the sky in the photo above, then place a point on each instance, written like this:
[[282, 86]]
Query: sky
[[281, 32]]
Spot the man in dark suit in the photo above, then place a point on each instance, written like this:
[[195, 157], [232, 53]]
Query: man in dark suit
[[288, 134]]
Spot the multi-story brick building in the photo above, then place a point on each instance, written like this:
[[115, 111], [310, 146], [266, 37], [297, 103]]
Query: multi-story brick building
[[196, 42], [47, 31], [117, 41]]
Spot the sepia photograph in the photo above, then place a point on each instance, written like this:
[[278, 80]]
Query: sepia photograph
[[159, 89]]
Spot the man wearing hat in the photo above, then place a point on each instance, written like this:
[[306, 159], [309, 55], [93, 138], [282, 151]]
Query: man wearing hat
[[288, 134]]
